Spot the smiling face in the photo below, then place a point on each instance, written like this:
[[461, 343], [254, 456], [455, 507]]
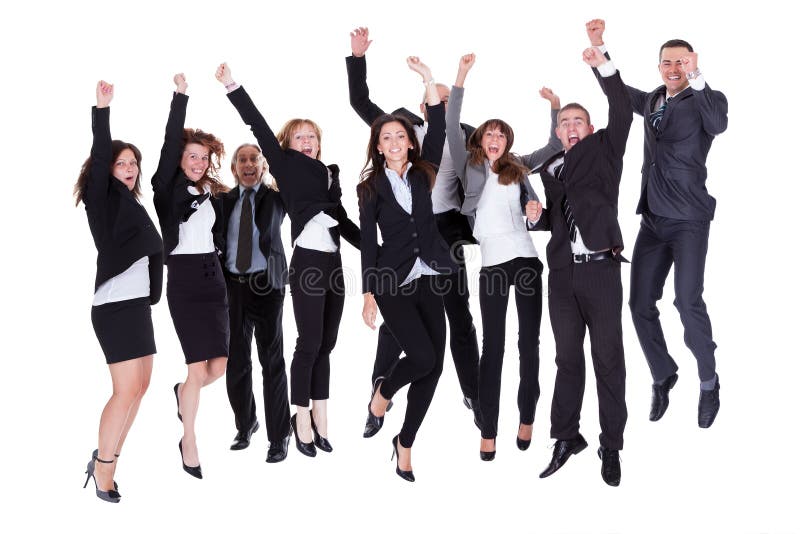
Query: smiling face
[[304, 139], [670, 69], [493, 143], [248, 165], [394, 144], [126, 168], [195, 161], [573, 126]]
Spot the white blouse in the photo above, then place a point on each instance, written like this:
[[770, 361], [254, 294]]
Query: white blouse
[[500, 224], [133, 283], [194, 235]]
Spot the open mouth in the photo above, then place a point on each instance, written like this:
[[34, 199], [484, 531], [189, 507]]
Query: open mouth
[[306, 150], [494, 150], [573, 139]]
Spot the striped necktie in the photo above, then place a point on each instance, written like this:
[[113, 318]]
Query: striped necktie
[[657, 115], [565, 207]]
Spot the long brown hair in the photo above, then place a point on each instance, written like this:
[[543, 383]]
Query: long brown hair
[[509, 170], [117, 146], [376, 161], [216, 150], [285, 135]]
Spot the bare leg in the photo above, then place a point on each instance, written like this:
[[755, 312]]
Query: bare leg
[[199, 374], [320, 414], [303, 421]]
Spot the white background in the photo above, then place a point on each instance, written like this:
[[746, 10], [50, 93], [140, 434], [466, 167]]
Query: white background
[[738, 476]]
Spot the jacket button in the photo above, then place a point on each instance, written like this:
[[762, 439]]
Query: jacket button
[[411, 219], [414, 234], [416, 251]]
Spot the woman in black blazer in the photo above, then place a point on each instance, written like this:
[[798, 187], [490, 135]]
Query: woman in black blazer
[[186, 190], [399, 277], [312, 196], [128, 281]]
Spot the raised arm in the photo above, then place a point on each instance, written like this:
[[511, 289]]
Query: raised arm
[[97, 184], [458, 151], [357, 77], [620, 112], [553, 146], [712, 105], [173, 137], [433, 144], [269, 144]]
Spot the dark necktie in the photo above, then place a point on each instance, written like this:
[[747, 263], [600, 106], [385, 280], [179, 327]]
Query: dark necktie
[[565, 207], [244, 248], [657, 115]]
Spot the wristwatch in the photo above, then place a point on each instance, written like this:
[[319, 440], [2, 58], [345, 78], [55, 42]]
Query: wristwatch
[[694, 74]]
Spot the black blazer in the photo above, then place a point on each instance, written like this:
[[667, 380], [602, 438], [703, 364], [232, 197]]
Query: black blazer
[[302, 181], [674, 164], [174, 203], [405, 237], [591, 176], [269, 214], [121, 228], [454, 227]]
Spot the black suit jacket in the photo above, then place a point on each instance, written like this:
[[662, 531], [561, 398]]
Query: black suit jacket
[[302, 181], [405, 236], [121, 228], [173, 201], [269, 214], [674, 164], [591, 176]]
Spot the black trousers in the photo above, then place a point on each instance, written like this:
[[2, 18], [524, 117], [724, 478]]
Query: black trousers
[[415, 315], [525, 274], [254, 306], [317, 285], [463, 338], [580, 296], [661, 243]]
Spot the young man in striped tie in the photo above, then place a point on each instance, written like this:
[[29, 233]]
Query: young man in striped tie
[[585, 286]]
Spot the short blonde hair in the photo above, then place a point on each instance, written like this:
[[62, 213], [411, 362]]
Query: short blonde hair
[[285, 135]]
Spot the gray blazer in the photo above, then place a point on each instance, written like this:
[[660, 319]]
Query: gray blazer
[[473, 177]]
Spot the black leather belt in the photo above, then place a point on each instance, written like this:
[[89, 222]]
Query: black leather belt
[[243, 278], [596, 256]]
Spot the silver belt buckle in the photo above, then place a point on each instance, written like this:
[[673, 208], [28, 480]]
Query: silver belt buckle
[[580, 258]]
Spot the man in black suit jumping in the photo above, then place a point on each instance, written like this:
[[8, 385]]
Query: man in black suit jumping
[[585, 286], [681, 119]]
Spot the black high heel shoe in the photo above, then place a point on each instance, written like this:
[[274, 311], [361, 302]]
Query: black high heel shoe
[[94, 457], [108, 496], [405, 475], [195, 471], [374, 423], [522, 444], [488, 456], [306, 448], [321, 442], [178, 401]]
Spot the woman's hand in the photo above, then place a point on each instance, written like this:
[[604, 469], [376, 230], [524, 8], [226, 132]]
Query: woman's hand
[[419, 67], [180, 83], [104, 92], [370, 311], [224, 75]]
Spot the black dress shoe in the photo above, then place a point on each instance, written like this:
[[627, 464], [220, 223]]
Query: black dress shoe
[[374, 423], [195, 471], [242, 439], [306, 448], [277, 451], [322, 443], [563, 449], [708, 407], [660, 401], [610, 471]]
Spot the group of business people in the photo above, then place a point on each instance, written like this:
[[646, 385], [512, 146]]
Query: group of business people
[[432, 186]]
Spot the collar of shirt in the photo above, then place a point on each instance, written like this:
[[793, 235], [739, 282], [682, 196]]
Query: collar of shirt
[[551, 169], [242, 188]]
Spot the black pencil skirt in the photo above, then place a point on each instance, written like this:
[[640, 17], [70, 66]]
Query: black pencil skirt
[[124, 329], [198, 304]]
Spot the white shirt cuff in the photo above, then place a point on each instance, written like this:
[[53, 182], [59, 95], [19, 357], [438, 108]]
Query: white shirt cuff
[[607, 69], [698, 84]]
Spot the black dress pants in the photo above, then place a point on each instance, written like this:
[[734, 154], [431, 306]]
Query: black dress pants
[[254, 306], [463, 338], [415, 315], [525, 274], [661, 243], [317, 285], [580, 296]]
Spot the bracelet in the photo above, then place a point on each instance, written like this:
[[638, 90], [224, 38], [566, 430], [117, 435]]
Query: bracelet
[[694, 74], [429, 82], [228, 86]]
